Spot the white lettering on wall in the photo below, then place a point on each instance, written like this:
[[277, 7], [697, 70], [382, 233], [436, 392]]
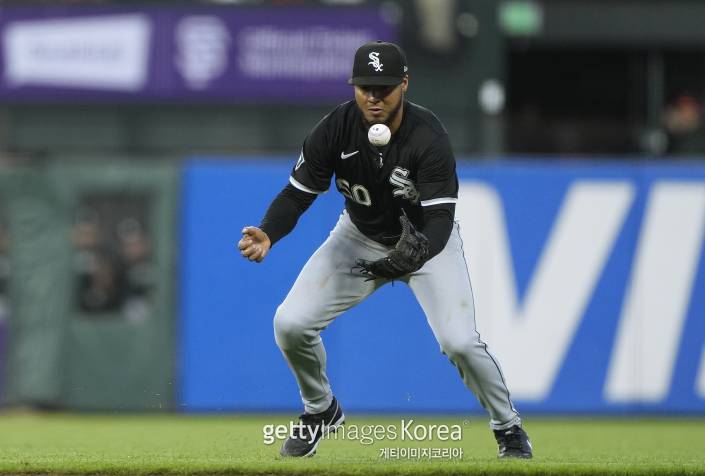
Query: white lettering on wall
[[531, 338], [658, 294]]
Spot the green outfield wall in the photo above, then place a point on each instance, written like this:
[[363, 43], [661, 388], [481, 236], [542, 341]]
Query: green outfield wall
[[90, 291]]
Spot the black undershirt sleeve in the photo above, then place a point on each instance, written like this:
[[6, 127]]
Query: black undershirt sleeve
[[284, 212], [438, 224]]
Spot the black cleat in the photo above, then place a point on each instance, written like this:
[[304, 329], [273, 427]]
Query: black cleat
[[311, 428], [513, 443]]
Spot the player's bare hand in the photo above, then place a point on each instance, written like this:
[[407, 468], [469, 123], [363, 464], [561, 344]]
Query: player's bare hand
[[254, 244]]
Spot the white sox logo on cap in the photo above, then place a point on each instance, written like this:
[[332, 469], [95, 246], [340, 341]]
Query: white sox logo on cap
[[374, 56], [378, 63]]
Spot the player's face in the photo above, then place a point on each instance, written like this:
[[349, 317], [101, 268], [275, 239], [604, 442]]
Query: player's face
[[381, 104]]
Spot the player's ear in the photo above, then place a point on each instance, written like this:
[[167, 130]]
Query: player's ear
[[405, 83]]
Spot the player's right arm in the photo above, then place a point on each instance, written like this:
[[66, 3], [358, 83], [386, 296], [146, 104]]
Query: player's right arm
[[310, 177], [254, 244], [280, 219]]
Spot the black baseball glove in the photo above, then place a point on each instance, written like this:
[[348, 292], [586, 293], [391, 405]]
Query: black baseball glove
[[408, 255]]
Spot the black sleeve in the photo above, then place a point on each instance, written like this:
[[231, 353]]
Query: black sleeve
[[314, 169], [284, 212], [438, 224], [436, 177]]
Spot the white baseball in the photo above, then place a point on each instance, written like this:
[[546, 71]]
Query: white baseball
[[379, 135]]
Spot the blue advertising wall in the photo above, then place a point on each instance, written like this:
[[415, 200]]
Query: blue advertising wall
[[604, 267]]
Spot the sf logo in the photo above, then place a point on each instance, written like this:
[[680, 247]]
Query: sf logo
[[374, 56]]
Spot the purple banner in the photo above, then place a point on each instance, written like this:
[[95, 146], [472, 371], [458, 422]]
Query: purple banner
[[276, 54]]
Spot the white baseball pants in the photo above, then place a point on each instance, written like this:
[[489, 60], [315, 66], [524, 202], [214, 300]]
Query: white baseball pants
[[326, 287]]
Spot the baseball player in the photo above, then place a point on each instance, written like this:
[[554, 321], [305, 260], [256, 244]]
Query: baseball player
[[398, 224]]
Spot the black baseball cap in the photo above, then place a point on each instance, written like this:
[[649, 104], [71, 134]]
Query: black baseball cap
[[378, 63]]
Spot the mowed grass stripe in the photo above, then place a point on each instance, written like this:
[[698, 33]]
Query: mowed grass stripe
[[180, 444]]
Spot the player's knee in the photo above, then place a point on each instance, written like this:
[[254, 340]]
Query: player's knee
[[456, 346], [289, 328]]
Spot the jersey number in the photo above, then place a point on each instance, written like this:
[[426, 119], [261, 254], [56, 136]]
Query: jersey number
[[356, 193]]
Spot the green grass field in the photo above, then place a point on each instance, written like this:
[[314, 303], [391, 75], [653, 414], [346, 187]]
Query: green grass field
[[96, 444]]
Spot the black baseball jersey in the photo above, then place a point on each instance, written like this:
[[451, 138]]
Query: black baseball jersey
[[416, 169]]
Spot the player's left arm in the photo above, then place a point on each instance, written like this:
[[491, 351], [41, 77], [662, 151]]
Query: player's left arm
[[438, 224], [437, 183]]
